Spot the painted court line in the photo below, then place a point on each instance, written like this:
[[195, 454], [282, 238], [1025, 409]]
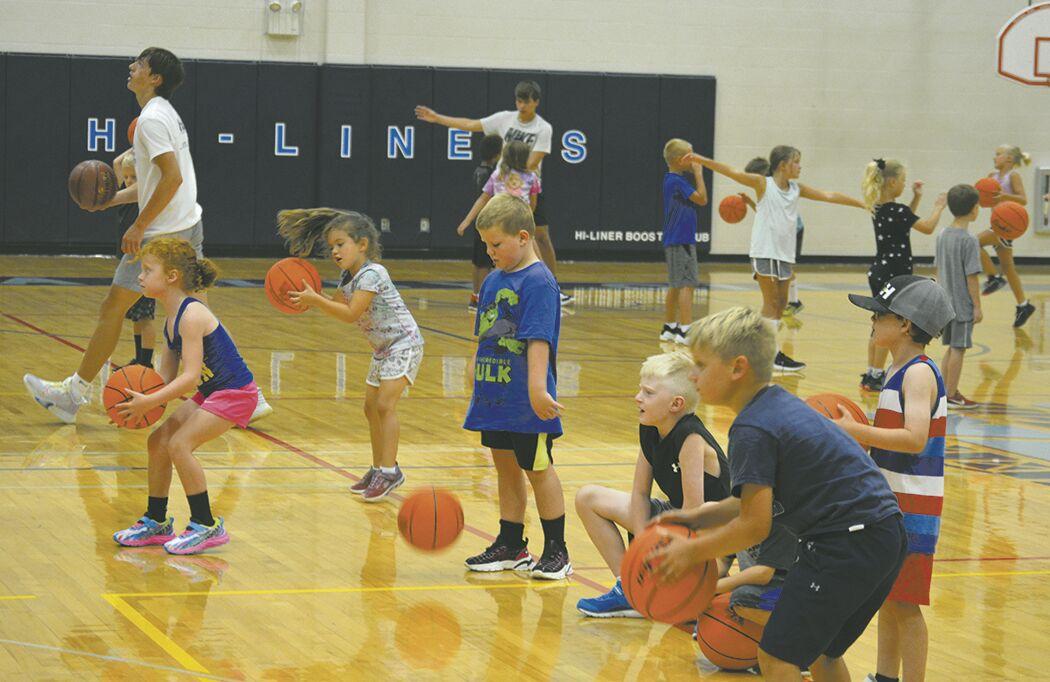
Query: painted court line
[[523, 585], [115, 659], [17, 597], [158, 637]]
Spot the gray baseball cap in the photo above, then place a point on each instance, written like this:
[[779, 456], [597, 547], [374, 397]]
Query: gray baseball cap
[[919, 300]]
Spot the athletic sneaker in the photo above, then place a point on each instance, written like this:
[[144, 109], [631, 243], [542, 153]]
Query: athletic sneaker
[[961, 402], [793, 308], [382, 485], [786, 364], [197, 538], [872, 382], [566, 298], [612, 604], [669, 333], [145, 532], [262, 408], [993, 284], [360, 487], [1024, 311], [679, 336], [501, 557], [55, 396], [554, 564]]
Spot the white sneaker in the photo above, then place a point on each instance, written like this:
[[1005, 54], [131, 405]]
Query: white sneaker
[[262, 408], [55, 396], [669, 334]]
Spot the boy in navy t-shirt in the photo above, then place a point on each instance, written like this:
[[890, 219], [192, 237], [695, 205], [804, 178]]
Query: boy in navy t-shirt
[[852, 540], [683, 190], [514, 404]]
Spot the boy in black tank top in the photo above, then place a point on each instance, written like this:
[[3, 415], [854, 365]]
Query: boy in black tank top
[[677, 452]]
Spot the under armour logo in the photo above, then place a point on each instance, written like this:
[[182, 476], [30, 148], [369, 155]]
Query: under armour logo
[[815, 587], [674, 467], [887, 291]]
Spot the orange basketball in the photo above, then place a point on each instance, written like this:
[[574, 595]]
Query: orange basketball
[[987, 188], [131, 130], [727, 640], [674, 602], [827, 404], [732, 209], [288, 275], [430, 519], [131, 378], [92, 183], [1009, 219]]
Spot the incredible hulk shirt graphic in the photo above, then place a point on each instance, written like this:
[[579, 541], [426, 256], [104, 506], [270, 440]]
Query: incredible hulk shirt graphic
[[513, 308]]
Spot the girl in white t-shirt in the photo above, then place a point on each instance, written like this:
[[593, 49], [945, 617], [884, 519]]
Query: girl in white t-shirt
[[773, 236]]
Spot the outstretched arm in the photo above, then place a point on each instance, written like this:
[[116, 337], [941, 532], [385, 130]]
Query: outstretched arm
[[424, 113], [753, 180], [807, 192]]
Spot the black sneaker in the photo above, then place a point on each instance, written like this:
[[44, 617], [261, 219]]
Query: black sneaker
[[786, 364], [1024, 311], [668, 334], [501, 557], [993, 284], [554, 564], [793, 308], [872, 383]]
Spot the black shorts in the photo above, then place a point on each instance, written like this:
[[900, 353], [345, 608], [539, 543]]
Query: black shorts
[[540, 215], [144, 309], [532, 455], [480, 256], [838, 583]]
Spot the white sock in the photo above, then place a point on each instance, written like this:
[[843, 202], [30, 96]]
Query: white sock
[[389, 471], [1022, 304], [792, 292], [78, 386]]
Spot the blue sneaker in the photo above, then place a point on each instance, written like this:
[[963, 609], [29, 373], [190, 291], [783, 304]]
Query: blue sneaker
[[612, 604], [146, 532]]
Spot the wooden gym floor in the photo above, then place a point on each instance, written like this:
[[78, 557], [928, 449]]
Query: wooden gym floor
[[317, 585]]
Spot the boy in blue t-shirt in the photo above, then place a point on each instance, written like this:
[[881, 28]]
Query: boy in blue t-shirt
[[852, 540], [514, 404], [683, 190]]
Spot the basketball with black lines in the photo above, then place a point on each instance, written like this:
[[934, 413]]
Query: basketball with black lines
[[430, 519], [287, 275], [672, 602], [136, 378], [92, 183], [726, 639]]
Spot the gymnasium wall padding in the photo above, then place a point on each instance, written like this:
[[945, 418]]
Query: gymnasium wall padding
[[345, 142]]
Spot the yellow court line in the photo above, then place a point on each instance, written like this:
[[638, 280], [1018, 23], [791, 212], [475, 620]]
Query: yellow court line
[[335, 590], [988, 574], [17, 597], [158, 637]]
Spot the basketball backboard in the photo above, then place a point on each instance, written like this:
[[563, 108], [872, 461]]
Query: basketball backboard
[[1023, 46]]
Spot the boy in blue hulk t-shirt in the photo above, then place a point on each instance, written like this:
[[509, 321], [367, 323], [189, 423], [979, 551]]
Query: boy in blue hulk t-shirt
[[683, 191], [851, 534], [513, 404]]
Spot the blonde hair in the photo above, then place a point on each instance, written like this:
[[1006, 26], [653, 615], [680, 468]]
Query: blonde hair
[[675, 149], [735, 332], [129, 158], [875, 178], [304, 228], [1016, 155], [195, 274], [672, 370], [508, 213]]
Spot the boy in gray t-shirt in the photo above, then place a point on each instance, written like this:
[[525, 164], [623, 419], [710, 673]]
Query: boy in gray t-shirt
[[958, 266]]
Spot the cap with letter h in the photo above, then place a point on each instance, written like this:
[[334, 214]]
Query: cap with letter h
[[920, 300]]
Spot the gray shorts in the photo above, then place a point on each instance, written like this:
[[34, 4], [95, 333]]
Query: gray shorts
[[127, 274], [682, 268], [400, 363], [771, 267], [958, 334]]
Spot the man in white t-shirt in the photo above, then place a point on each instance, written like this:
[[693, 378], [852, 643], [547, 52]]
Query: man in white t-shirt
[[526, 126], [166, 193]]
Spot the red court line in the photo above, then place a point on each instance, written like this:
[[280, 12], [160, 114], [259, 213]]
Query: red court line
[[307, 456], [999, 558]]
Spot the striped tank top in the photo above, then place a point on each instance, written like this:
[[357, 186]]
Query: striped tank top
[[916, 479]]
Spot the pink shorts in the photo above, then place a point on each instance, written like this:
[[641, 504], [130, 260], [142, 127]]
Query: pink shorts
[[232, 404]]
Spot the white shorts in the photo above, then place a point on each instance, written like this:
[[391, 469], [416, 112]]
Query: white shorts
[[401, 363]]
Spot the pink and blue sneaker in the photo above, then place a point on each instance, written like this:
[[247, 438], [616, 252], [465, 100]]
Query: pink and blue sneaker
[[197, 538], [146, 532]]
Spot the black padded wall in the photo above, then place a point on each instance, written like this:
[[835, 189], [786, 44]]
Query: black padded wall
[[268, 136]]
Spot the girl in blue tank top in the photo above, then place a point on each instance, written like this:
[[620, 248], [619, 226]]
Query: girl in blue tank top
[[226, 396]]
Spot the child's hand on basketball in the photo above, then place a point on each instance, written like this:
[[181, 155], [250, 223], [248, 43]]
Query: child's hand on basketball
[[545, 406], [747, 200], [845, 419], [681, 517], [303, 299], [136, 407], [675, 558]]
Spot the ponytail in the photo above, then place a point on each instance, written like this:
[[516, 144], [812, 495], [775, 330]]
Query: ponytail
[[195, 274], [303, 228], [1016, 155], [876, 173]]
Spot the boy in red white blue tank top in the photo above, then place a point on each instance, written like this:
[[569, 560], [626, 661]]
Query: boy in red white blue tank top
[[907, 444]]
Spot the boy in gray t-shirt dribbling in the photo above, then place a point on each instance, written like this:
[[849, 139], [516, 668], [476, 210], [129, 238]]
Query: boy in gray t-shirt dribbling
[[958, 267]]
